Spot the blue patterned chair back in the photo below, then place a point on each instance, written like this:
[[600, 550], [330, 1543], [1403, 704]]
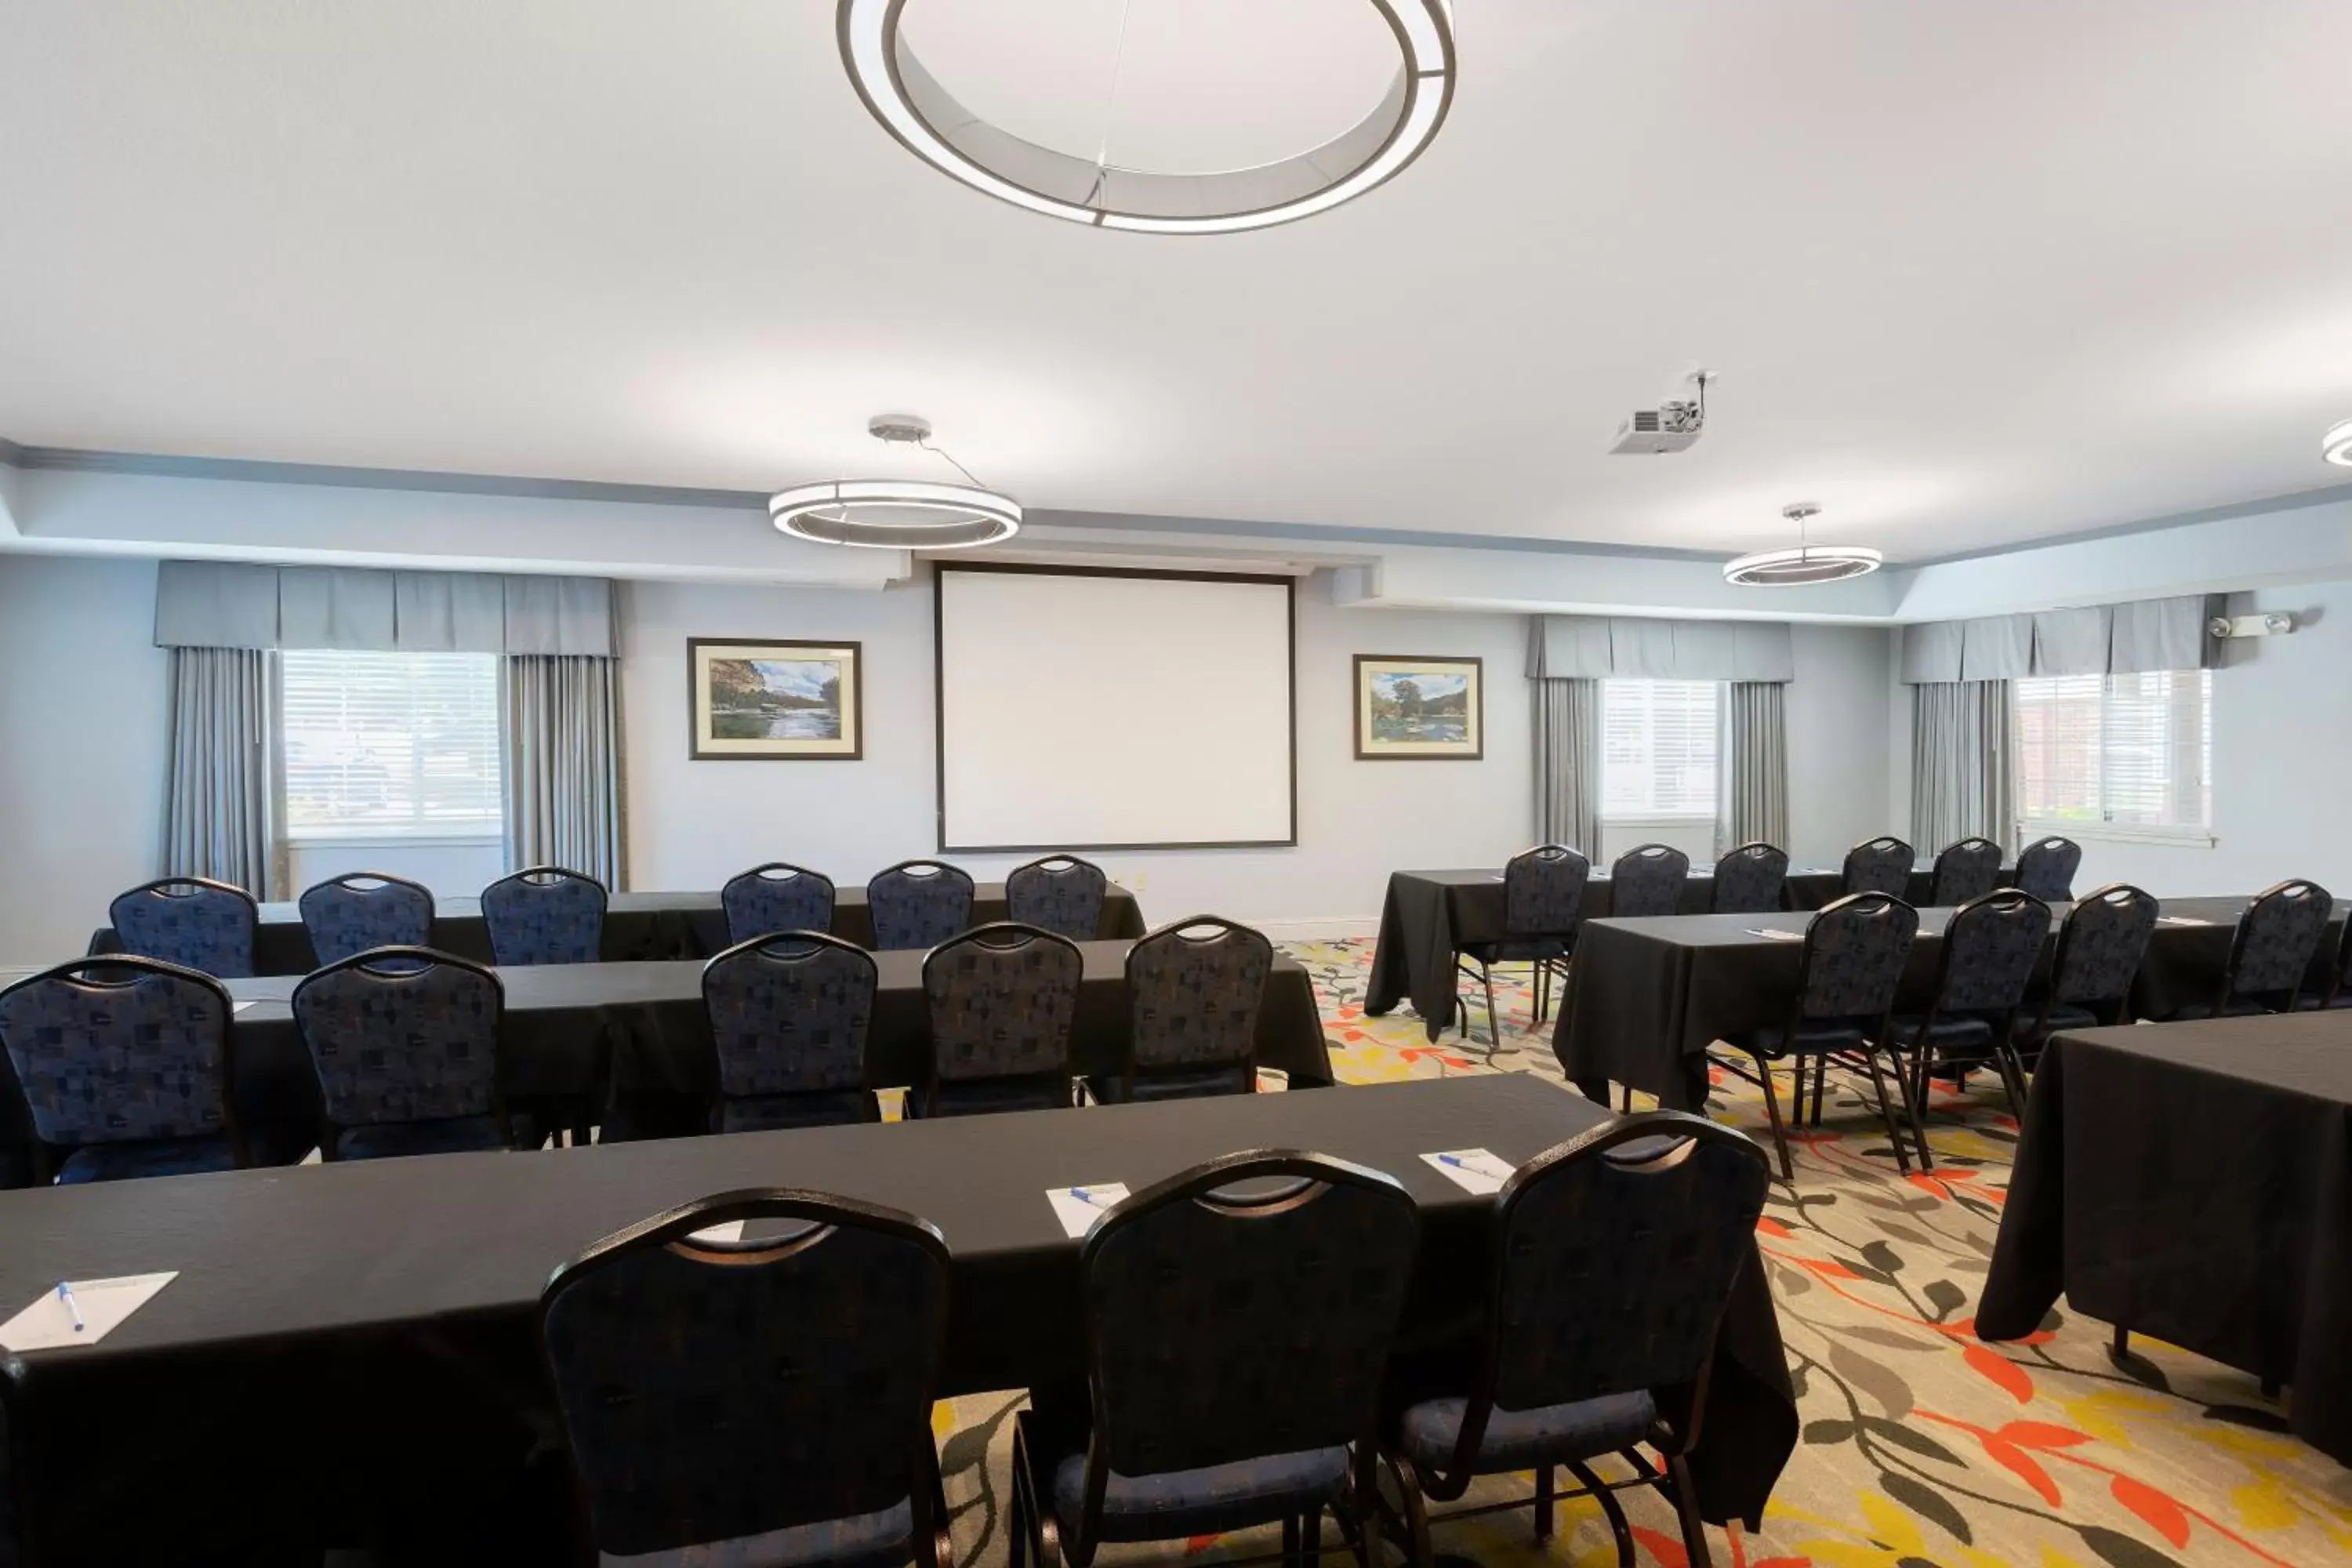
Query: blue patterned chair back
[[1242, 1309], [1879, 865], [2276, 938], [1061, 893], [2046, 869], [403, 1034], [1002, 1000], [1195, 988], [1615, 1257], [2101, 943], [1750, 879], [192, 921], [348, 915], [1543, 892], [919, 903], [1991, 946], [1648, 880], [1967, 869], [1854, 954], [776, 897], [715, 1391], [545, 915], [789, 1013], [116, 1049]]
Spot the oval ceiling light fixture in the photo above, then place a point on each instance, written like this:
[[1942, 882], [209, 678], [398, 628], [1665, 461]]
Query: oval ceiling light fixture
[[929, 122], [898, 514], [1807, 564], [2337, 445]]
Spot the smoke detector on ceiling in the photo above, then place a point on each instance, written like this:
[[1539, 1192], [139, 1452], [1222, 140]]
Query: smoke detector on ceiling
[[1672, 427]]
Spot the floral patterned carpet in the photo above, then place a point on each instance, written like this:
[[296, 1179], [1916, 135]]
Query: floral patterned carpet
[[1920, 1445]]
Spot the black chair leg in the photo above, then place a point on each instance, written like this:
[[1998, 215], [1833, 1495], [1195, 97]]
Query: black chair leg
[[1686, 1497], [1625, 1099], [1772, 1109], [2121, 1349], [1494, 1019], [1290, 1558], [2270, 1388], [1543, 1502], [1416, 1513], [1915, 1100], [1617, 1526], [1887, 1109]]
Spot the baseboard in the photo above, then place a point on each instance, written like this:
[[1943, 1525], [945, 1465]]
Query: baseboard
[[1333, 928]]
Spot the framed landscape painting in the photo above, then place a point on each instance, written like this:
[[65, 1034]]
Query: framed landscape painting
[[769, 698], [1411, 709]]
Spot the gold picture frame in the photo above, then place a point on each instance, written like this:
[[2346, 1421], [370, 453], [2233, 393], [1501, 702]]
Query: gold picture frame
[[1416, 708]]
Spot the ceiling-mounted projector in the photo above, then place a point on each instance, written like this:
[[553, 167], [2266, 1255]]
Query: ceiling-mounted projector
[[1672, 427]]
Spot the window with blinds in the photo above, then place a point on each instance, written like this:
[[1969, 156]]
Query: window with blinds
[[2133, 752], [1659, 740], [391, 745]]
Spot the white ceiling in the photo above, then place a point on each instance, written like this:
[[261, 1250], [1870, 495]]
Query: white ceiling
[[1972, 274]]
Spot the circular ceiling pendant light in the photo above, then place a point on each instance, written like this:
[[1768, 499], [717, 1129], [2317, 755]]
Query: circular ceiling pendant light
[[898, 514], [1807, 564], [929, 122], [2337, 445]]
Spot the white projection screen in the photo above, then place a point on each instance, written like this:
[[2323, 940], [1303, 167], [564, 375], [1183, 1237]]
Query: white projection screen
[[1114, 709]]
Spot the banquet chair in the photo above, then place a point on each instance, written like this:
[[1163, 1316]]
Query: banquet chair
[[1967, 869], [2046, 869], [2339, 978], [1752, 879], [2270, 954], [2101, 943], [1647, 880], [1543, 907], [404, 1042], [545, 915], [1847, 976], [124, 1064], [1060, 893], [919, 903], [1881, 864], [759, 1401], [1002, 999], [1238, 1318], [191, 921], [1614, 1259], [1991, 946], [789, 1014], [776, 897], [1193, 994], [351, 913]]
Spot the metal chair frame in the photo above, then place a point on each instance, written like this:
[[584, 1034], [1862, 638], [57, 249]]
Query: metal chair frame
[[1544, 973]]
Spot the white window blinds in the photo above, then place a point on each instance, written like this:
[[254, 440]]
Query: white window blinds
[[1658, 746], [2129, 751], [390, 744]]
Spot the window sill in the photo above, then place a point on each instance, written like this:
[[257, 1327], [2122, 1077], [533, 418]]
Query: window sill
[[2110, 833], [394, 841], [1684, 821]]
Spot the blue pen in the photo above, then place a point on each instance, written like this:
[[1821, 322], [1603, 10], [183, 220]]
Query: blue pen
[[65, 1294], [1459, 1163], [1087, 1197]]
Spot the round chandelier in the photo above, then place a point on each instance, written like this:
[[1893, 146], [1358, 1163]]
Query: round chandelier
[[929, 122], [1806, 564], [898, 514], [2337, 445]]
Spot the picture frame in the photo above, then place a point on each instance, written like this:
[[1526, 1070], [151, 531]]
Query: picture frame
[[776, 700], [1420, 708]]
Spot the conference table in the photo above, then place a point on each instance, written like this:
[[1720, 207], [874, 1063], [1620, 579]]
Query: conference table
[[1428, 916], [350, 1353], [628, 1043], [637, 926], [2193, 1182], [1646, 997]]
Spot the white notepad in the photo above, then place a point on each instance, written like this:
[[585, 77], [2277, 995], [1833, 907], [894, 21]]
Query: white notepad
[[2180, 921], [1472, 1170], [48, 1324], [1771, 934], [241, 1006], [731, 1231], [1078, 1213]]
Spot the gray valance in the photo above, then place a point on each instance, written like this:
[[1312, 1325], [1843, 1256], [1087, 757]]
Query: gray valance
[[213, 603], [1593, 648], [2121, 639]]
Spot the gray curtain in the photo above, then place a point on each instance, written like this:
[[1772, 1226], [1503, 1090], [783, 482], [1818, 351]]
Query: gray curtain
[[222, 783], [1568, 763], [1756, 763], [562, 736], [1961, 763]]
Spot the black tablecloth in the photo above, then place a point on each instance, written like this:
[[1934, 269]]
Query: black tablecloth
[[1645, 998], [571, 1030], [352, 1350], [2194, 1182], [1428, 916], [637, 926]]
